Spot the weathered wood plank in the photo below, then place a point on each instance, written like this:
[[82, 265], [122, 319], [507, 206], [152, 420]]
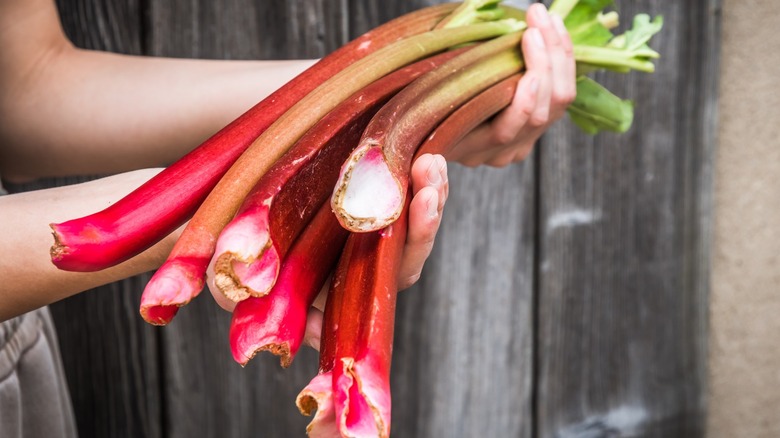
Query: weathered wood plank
[[620, 278], [463, 352], [624, 225]]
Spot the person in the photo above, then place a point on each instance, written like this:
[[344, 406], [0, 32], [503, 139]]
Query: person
[[70, 111]]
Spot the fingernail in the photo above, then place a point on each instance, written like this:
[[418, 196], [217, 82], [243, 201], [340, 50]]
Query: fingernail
[[543, 16], [433, 174], [433, 207], [442, 164]]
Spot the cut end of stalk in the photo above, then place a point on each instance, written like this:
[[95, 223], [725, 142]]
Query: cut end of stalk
[[362, 399], [57, 250], [238, 278], [245, 263], [80, 247], [273, 324], [318, 396], [159, 315], [367, 196], [281, 350], [174, 284], [247, 339]]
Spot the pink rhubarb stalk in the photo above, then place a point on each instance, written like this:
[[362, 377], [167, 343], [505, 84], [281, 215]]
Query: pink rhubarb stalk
[[374, 180], [318, 394], [364, 339], [249, 250], [162, 204], [182, 276], [277, 322]]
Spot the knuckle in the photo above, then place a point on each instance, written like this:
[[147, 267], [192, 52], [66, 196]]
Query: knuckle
[[503, 136], [539, 119]]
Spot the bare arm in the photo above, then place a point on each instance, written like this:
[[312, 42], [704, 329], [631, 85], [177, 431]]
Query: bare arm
[[70, 111], [30, 280]]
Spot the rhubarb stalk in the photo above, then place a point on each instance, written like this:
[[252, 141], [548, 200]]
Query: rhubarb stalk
[[277, 322], [250, 248], [182, 276], [468, 116], [370, 191], [162, 204], [364, 339], [318, 394]]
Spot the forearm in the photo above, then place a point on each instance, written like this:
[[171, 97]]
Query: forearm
[[66, 111], [93, 112], [30, 280]]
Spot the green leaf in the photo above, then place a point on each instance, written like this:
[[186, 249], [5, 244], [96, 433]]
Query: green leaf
[[636, 38], [625, 52], [584, 25], [596, 109]]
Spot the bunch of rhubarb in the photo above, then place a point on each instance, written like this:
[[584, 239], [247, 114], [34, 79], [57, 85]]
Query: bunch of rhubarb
[[315, 178]]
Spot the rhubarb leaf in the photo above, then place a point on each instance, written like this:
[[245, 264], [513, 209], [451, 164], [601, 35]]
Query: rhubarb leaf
[[586, 25], [636, 38], [625, 52], [596, 109]]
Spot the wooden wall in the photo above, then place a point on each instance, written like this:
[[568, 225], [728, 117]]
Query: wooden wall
[[566, 296]]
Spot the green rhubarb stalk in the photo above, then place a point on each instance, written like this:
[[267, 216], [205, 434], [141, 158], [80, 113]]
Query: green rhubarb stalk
[[470, 12], [563, 7]]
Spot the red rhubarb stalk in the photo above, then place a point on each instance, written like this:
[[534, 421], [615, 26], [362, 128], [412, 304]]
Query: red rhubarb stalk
[[249, 249], [277, 322], [318, 394], [182, 276], [162, 204], [364, 339], [372, 184]]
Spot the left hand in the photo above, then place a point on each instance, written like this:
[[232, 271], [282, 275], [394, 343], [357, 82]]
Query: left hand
[[541, 98]]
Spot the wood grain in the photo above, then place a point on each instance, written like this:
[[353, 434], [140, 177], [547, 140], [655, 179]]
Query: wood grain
[[565, 297], [624, 221]]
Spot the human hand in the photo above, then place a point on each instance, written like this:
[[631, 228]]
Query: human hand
[[430, 188], [541, 98]]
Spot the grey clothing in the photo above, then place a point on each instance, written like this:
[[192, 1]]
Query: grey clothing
[[34, 399]]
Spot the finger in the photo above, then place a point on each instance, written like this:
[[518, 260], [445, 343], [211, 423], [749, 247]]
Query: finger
[[313, 328], [509, 123], [430, 170], [539, 18], [516, 153], [538, 65], [322, 296], [552, 31], [425, 213], [564, 69]]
